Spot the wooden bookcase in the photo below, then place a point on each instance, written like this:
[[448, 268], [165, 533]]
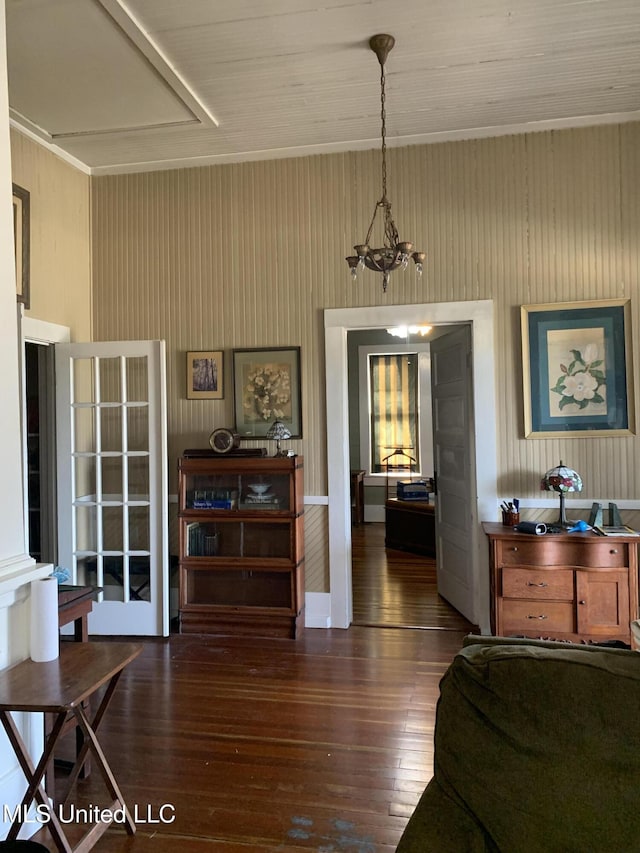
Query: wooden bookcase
[[241, 545]]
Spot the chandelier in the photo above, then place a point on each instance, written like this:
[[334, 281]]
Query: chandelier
[[395, 253]]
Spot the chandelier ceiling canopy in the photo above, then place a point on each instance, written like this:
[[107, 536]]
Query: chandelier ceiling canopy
[[394, 253]]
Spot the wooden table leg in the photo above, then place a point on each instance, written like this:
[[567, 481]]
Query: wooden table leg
[[103, 766], [34, 776], [91, 744]]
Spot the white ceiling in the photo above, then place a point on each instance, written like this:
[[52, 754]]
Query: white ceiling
[[130, 85]]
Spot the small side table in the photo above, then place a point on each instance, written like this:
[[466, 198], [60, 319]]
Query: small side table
[[357, 496], [74, 605], [60, 687]]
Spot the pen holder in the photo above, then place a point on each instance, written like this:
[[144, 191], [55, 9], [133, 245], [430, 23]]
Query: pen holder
[[510, 519]]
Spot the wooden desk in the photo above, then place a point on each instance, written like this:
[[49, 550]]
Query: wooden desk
[[60, 687], [410, 526]]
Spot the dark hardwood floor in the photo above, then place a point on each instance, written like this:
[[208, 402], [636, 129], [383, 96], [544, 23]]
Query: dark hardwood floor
[[318, 744], [396, 588]]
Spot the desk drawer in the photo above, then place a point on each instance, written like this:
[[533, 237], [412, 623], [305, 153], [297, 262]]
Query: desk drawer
[[532, 584], [537, 617], [540, 551]]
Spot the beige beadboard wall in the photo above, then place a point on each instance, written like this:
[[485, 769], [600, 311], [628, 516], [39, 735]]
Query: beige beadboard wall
[[60, 244], [249, 255]]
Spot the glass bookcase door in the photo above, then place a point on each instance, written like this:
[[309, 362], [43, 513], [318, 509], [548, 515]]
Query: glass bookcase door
[[238, 491], [247, 588], [246, 540]]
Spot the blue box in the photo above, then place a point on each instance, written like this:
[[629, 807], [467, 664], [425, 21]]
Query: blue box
[[412, 490]]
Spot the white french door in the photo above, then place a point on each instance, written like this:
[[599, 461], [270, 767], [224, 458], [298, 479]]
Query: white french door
[[112, 481]]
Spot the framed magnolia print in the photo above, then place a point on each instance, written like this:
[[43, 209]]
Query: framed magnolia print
[[205, 375], [21, 232], [577, 369], [266, 385]]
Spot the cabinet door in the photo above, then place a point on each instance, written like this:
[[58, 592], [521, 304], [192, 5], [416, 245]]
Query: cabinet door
[[603, 602]]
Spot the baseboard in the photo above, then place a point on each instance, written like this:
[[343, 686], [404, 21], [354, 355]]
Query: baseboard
[[317, 610], [374, 512]]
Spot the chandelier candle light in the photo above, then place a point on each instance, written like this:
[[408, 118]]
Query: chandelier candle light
[[562, 479], [394, 253]]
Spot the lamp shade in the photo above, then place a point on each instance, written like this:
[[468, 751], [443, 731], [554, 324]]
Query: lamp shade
[[562, 480], [278, 431]]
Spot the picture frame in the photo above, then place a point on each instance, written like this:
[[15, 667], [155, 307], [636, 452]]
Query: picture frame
[[21, 242], [266, 384], [205, 375], [578, 369]]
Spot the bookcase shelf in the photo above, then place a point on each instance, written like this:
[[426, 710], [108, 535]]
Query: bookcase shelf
[[241, 545]]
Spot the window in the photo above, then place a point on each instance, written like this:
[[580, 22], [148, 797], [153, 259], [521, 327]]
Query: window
[[395, 408], [393, 392]]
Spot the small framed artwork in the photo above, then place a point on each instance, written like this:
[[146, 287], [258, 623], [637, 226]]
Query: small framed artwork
[[577, 369], [21, 229], [266, 385], [205, 375]]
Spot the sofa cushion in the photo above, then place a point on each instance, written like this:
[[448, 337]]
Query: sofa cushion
[[441, 824], [538, 745]]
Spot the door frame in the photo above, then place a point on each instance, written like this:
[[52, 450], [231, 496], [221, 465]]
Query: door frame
[[339, 321]]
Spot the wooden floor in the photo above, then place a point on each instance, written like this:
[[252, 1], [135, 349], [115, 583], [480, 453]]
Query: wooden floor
[[396, 588], [318, 744]]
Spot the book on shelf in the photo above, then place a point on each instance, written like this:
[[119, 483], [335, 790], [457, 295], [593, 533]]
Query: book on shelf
[[615, 530], [192, 538], [216, 503]]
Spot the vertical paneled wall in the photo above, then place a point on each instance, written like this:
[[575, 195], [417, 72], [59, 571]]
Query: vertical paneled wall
[[60, 238], [248, 255]]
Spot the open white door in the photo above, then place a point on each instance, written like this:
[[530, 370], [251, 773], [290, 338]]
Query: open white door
[[112, 481], [453, 448]]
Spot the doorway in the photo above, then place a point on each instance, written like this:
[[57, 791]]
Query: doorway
[[395, 579], [479, 314], [39, 338], [40, 451]]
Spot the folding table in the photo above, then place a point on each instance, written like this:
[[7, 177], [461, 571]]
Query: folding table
[[60, 687]]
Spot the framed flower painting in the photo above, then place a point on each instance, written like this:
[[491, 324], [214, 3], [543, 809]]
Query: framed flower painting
[[266, 384], [577, 369]]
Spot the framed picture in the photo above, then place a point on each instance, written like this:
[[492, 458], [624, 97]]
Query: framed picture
[[205, 375], [577, 369], [266, 385], [21, 242]]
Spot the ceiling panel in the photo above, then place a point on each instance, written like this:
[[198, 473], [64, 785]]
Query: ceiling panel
[[136, 84]]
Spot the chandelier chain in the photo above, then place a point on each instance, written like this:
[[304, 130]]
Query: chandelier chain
[[394, 253], [383, 121]]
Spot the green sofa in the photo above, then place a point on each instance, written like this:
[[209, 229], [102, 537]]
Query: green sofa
[[537, 750]]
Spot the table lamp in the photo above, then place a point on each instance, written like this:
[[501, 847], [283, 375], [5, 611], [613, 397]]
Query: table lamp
[[278, 432], [562, 479]]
